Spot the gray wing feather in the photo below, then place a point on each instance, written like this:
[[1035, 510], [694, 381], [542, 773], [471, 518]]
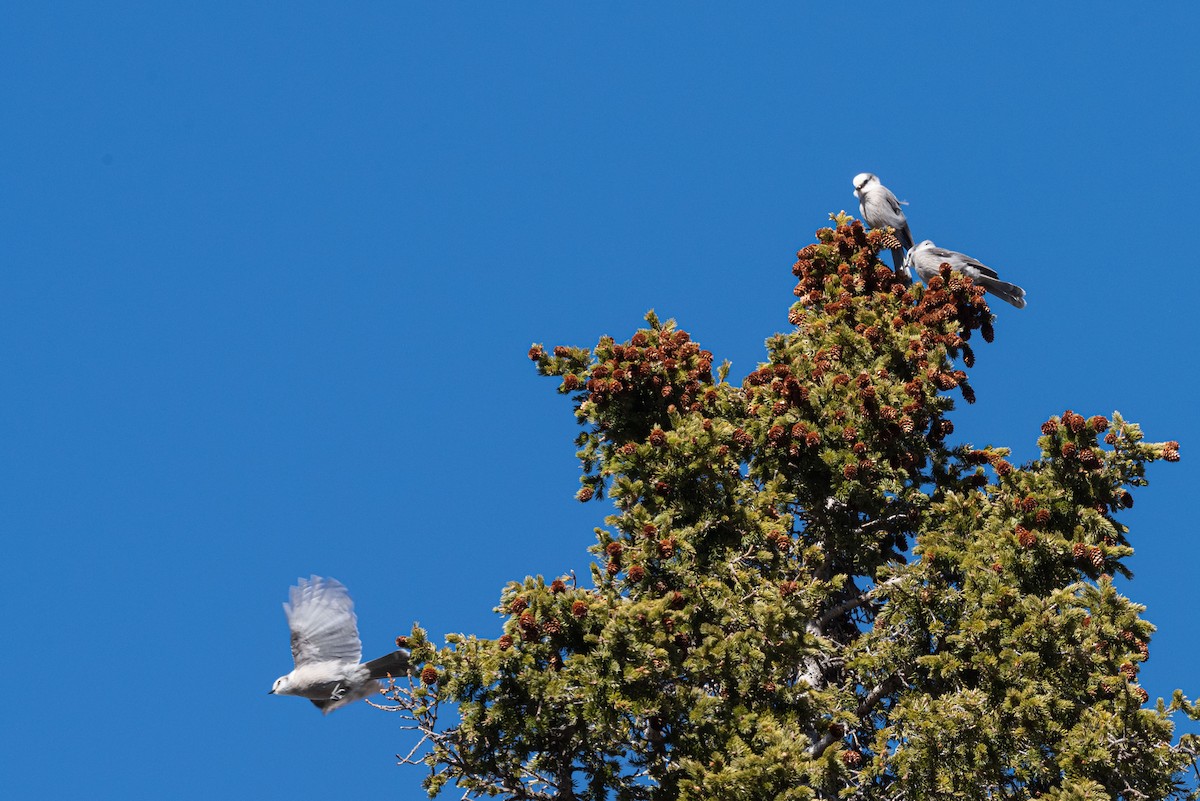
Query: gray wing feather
[[974, 267], [892, 202], [942, 253], [321, 617], [881, 210], [961, 262], [881, 213]]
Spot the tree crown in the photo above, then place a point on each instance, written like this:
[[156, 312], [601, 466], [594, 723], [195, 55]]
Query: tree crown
[[805, 592]]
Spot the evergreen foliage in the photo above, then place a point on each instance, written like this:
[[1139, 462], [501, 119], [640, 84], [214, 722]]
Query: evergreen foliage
[[805, 593]]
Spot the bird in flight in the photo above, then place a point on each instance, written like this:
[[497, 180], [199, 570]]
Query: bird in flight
[[326, 648]]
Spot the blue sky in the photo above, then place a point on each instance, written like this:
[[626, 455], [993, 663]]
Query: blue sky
[[269, 275]]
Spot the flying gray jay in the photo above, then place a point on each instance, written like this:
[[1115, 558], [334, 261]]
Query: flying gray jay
[[880, 209], [926, 259], [327, 650]]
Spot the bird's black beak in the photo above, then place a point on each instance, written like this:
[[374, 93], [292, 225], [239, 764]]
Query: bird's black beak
[[271, 691]]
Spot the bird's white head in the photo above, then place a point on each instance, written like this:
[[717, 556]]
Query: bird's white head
[[861, 181], [282, 686], [910, 258]]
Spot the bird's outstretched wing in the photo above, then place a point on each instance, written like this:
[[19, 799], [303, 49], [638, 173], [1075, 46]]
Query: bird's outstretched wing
[[321, 617]]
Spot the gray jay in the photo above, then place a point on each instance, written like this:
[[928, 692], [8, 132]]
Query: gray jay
[[926, 259], [327, 650], [880, 209]]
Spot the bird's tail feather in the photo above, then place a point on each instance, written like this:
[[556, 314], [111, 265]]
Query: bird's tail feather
[[899, 266], [1005, 291], [394, 664]]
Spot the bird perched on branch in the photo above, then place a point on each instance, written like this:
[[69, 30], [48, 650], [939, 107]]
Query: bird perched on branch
[[326, 648], [880, 209], [926, 259]]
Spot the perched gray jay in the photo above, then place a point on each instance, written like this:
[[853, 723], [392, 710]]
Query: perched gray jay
[[327, 650], [926, 259], [880, 209]]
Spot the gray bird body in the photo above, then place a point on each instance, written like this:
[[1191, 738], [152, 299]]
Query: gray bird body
[[881, 209], [326, 648], [926, 259]]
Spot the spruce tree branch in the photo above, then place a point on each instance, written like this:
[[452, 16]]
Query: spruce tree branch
[[863, 709], [834, 612], [407, 758], [820, 746], [883, 522], [518, 792], [883, 688]]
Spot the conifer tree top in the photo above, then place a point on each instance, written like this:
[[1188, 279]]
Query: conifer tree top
[[804, 590]]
